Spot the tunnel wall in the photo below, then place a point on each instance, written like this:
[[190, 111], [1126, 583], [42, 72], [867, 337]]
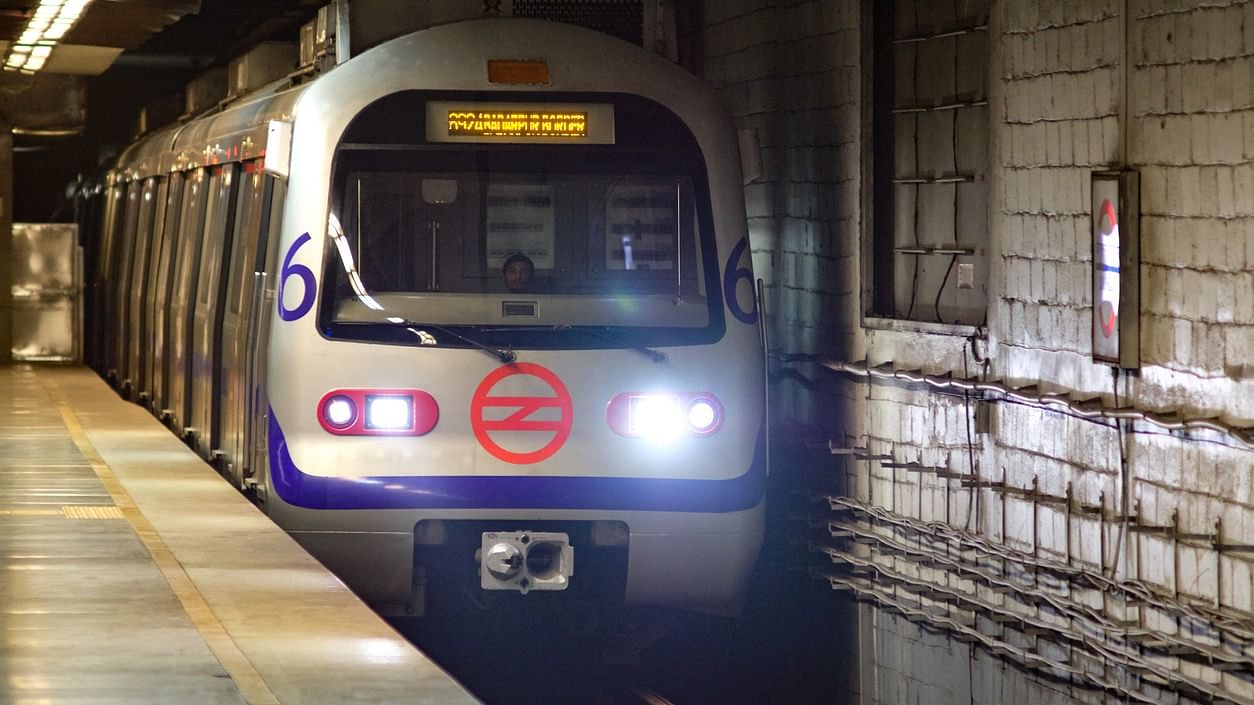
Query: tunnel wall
[[1014, 547]]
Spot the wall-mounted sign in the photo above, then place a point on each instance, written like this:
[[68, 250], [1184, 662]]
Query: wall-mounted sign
[[1116, 206]]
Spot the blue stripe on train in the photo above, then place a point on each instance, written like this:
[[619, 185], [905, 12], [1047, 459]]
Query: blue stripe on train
[[511, 491]]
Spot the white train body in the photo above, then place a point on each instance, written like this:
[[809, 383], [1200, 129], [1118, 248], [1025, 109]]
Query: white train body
[[624, 410]]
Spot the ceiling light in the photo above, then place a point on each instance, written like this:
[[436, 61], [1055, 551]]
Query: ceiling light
[[48, 24]]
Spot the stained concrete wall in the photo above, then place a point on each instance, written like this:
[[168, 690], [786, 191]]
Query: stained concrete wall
[[1161, 87]]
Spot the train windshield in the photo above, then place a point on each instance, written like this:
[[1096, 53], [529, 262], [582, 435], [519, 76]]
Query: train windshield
[[520, 243]]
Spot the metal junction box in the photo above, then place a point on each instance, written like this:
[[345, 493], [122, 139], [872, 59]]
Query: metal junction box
[[47, 292]]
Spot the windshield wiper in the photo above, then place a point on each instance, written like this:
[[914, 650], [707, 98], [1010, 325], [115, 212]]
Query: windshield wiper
[[656, 355], [426, 338]]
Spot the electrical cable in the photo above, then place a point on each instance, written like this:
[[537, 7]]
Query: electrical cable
[[966, 406], [1239, 623], [914, 282], [944, 281], [1098, 624], [1088, 409], [1123, 485]]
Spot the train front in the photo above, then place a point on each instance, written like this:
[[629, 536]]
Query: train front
[[515, 346]]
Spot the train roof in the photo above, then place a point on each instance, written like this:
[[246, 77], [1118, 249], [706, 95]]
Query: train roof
[[237, 130]]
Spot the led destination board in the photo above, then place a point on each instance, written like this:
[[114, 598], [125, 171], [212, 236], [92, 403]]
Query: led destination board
[[519, 122], [493, 123]]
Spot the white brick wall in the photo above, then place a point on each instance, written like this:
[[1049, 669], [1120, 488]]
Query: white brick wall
[[1057, 113], [803, 216]]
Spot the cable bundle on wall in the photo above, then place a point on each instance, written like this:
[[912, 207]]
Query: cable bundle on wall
[[1090, 409]]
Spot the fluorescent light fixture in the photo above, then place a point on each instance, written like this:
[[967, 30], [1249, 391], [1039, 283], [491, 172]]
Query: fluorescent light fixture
[[48, 24], [57, 30]]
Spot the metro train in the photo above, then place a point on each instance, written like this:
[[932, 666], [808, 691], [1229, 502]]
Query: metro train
[[306, 284]]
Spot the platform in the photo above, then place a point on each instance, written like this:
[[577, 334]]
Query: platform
[[131, 572]]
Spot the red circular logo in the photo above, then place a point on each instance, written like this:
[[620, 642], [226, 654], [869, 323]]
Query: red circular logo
[[555, 431]]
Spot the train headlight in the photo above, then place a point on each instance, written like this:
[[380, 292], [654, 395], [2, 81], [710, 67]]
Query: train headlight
[[656, 417], [703, 416], [664, 417], [389, 412], [339, 411], [378, 412]]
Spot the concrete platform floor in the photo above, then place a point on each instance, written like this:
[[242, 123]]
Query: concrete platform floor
[[131, 572]]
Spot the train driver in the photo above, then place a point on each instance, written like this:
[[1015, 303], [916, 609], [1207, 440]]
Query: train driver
[[517, 272]]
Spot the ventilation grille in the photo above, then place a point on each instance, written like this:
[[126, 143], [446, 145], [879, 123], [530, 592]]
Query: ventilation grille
[[619, 18]]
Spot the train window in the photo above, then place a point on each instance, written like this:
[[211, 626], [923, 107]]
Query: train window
[[247, 230], [143, 234], [217, 232], [126, 257], [614, 235], [191, 222], [114, 208]]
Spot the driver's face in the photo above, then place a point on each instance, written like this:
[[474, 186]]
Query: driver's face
[[517, 277]]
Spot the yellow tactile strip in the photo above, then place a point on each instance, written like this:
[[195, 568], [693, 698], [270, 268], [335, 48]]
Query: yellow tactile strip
[[250, 683], [69, 511], [90, 511]]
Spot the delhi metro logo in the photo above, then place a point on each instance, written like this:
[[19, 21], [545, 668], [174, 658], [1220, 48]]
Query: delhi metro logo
[[532, 424]]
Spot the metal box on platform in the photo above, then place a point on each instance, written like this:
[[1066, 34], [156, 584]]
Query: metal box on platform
[[47, 292]]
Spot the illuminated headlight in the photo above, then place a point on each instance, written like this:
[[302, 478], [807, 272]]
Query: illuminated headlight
[[664, 417], [339, 411], [656, 417], [389, 413], [702, 415], [378, 412]]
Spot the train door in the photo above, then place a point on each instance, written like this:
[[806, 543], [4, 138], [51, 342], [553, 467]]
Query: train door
[[159, 302], [182, 293], [257, 414], [136, 345], [108, 278], [207, 310], [88, 213], [100, 292], [122, 292], [242, 273]]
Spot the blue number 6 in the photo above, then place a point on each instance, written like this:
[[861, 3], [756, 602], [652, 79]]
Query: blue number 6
[[732, 275], [306, 276]]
